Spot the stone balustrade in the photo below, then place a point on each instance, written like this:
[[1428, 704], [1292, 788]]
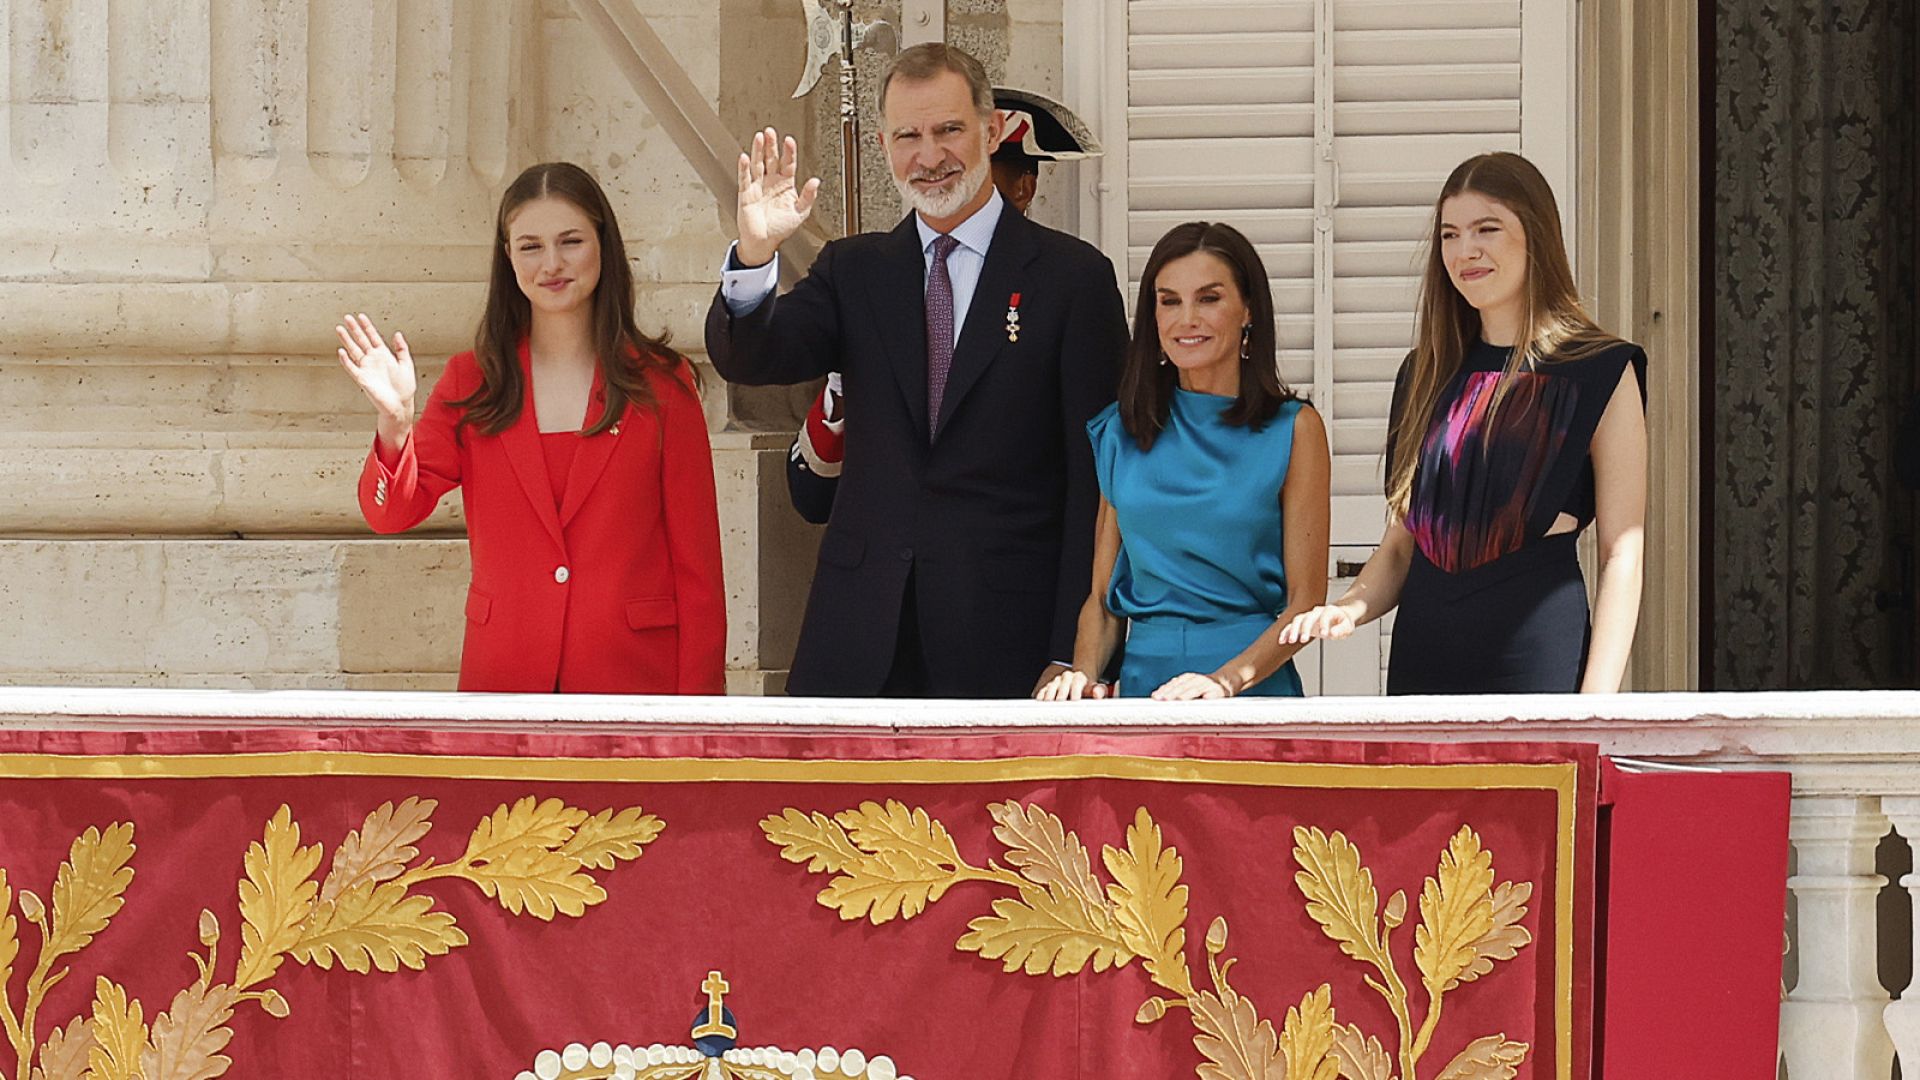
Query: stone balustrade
[[1854, 757]]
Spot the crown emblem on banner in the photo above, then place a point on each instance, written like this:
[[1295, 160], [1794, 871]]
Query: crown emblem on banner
[[713, 1054]]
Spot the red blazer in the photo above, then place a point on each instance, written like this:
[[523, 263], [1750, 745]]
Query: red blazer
[[618, 591]]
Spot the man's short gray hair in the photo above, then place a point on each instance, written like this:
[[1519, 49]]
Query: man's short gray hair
[[929, 59]]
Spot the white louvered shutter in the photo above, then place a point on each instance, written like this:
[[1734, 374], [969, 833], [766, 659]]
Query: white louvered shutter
[[1323, 129], [1418, 87], [1220, 126]]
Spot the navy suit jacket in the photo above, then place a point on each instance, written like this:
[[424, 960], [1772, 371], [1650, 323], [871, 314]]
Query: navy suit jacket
[[992, 518]]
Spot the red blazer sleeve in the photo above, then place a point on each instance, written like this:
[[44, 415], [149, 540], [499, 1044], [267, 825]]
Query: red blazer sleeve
[[693, 536], [399, 494]]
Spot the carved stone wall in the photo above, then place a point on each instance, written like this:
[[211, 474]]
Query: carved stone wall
[[193, 191]]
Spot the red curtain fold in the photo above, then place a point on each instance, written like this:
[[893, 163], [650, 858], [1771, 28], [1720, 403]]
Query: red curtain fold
[[856, 891]]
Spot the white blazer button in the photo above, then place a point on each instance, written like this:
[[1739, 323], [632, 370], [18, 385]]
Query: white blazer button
[[560, 574]]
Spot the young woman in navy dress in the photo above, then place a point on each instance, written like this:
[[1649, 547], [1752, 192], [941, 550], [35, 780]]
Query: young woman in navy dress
[[1517, 422]]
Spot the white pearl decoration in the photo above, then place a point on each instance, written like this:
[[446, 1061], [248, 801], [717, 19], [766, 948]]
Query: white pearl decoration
[[824, 1063]]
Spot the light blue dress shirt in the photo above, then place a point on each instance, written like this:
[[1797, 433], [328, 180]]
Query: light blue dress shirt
[[744, 290]]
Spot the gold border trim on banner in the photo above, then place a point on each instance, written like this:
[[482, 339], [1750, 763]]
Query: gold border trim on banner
[[1562, 778]]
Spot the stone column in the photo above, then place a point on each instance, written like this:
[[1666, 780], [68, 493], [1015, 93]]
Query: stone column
[[1833, 1022], [191, 193], [1903, 1015]]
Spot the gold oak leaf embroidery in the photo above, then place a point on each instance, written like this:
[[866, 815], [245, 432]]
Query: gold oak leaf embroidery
[[889, 861], [275, 898], [531, 856], [1456, 910], [90, 887], [9, 931], [64, 1055], [1340, 893], [380, 849], [118, 1031], [1236, 1043], [1046, 854], [513, 856], [1228, 1031], [1361, 1056], [1044, 931], [604, 839], [1493, 1057], [378, 926], [813, 839], [187, 1039], [1505, 939], [1466, 926], [912, 861], [1307, 1038], [1063, 919], [88, 890], [1151, 902]]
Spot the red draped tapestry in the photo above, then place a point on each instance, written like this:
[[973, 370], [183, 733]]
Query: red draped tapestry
[[406, 903]]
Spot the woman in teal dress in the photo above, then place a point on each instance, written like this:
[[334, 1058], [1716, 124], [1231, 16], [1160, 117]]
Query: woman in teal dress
[[1213, 475]]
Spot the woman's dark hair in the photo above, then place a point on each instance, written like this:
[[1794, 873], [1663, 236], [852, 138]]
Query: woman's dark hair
[[622, 351], [1147, 385]]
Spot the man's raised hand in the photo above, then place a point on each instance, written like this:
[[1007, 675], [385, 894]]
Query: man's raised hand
[[772, 207]]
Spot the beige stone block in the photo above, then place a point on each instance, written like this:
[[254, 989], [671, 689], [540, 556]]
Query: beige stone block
[[756, 683], [60, 259], [173, 607], [96, 317], [767, 549], [305, 489], [298, 318], [402, 606], [120, 484], [104, 488], [460, 259], [440, 681]]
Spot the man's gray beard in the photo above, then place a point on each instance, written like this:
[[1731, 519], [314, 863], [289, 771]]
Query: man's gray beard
[[939, 206]]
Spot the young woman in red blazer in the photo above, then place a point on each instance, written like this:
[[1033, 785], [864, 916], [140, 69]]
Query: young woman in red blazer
[[580, 450]]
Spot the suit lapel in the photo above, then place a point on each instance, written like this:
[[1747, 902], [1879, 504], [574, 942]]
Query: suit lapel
[[591, 456], [984, 332], [899, 295], [522, 444]]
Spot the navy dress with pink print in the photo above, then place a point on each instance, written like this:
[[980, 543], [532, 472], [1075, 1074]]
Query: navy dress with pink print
[[1492, 604]]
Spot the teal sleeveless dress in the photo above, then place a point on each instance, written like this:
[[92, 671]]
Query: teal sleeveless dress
[[1201, 571]]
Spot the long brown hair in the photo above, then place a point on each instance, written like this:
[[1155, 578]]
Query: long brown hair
[[622, 351], [1146, 384], [1555, 327]]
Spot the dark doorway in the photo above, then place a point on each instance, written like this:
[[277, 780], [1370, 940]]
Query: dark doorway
[[1810, 351]]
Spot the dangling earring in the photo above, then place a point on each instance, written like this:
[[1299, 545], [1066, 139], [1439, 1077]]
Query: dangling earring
[[1163, 358], [1246, 341]]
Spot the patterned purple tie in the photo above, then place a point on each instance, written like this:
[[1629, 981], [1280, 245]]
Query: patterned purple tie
[[939, 328]]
